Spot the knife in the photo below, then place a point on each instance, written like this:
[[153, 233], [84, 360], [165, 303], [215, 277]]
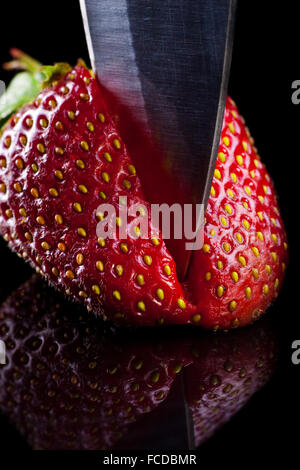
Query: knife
[[164, 66]]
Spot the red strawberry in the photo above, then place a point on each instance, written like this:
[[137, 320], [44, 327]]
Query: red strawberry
[[240, 269], [62, 156], [69, 384]]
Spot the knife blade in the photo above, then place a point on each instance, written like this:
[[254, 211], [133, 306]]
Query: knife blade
[[164, 66]]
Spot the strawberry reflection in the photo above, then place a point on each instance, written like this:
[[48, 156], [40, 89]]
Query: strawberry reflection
[[72, 383]]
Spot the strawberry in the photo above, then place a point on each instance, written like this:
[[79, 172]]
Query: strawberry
[[69, 383], [61, 156]]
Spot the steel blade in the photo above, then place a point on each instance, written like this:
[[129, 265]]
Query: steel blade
[[164, 66]]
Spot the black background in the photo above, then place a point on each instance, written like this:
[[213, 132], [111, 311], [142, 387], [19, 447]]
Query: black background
[[266, 60]]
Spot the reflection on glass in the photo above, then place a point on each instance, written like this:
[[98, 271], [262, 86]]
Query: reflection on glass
[[71, 382]]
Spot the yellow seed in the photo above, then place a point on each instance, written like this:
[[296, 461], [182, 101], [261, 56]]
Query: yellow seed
[[22, 211], [71, 115], [274, 237], [101, 118], [82, 294], [265, 188], [77, 207], [222, 157], [61, 246], [59, 175], [84, 145], [52, 104], [96, 289], [118, 221], [181, 304], [240, 159], [117, 295], [224, 221], [141, 306], [58, 219], [148, 260], [217, 174], [242, 260], [34, 192], [248, 190], [8, 213], [119, 269], [283, 267], [196, 318], [208, 276], [126, 183], [70, 274], [79, 259], [257, 163], [255, 273], [248, 292], [212, 191], [274, 256], [260, 215], [273, 221], [84, 96], [268, 269], [29, 122], [276, 283], [80, 164], [28, 236], [19, 163], [233, 177], [22, 140], [260, 236], [55, 271], [45, 246], [234, 276], [117, 144], [226, 141], [34, 167], [239, 237], [59, 151], [228, 209], [220, 291], [41, 148], [265, 289], [90, 126], [155, 241], [160, 294], [18, 187], [246, 224], [167, 269], [252, 173], [220, 265], [245, 145], [99, 265], [285, 245], [131, 169], [212, 232], [255, 251], [232, 305], [83, 189], [226, 246], [206, 248], [231, 127], [53, 192], [59, 126], [107, 157], [102, 195], [105, 176], [101, 242], [124, 247], [40, 220], [140, 279], [230, 193]]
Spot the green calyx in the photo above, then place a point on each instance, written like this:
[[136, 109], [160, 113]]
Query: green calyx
[[27, 84]]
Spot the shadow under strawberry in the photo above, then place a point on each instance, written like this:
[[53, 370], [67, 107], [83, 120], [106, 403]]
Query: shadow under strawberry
[[72, 382]]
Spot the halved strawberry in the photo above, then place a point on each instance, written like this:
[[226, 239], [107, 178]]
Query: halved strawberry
[[69, 383], [61, 157]]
